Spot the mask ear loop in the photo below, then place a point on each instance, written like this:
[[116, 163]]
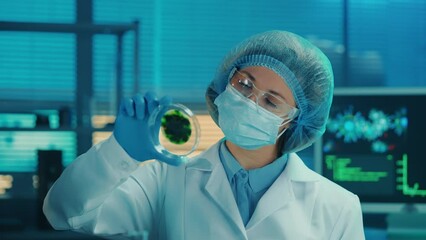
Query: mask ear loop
[[286, 121]]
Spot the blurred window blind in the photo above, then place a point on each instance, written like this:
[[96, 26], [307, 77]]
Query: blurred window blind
[[18, 149], [56, 11], [37, 70], [104, 70], [387, 43], [37, 67]]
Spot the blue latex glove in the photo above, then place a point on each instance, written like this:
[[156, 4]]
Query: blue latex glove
[[133, 132]]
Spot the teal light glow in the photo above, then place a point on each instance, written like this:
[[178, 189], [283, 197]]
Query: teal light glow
[[18, 150]]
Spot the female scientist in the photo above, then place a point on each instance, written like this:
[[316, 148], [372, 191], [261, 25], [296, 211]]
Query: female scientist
[[271, 97]]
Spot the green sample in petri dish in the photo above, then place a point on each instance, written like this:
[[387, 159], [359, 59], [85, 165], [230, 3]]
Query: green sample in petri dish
[[176, 127]]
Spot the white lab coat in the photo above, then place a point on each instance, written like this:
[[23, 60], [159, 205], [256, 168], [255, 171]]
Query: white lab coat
[[106, 192]]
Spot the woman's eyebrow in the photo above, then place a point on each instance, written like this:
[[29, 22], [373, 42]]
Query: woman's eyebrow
[[249, 75], [271, 91], [279, 95]]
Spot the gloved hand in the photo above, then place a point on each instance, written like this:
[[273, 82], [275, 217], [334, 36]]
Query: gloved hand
[[133, 132]]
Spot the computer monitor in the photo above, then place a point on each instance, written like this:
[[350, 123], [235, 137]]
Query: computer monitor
[[375, 147]]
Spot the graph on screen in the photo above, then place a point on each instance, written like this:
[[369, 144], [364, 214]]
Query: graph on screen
[[374, 145]]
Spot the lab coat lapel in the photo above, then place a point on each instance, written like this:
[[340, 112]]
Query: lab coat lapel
[[220, 191], [218, 187], [295, 178], [277, 196]]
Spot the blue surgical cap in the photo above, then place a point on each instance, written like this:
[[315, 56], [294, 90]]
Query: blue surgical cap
[[305, 70]]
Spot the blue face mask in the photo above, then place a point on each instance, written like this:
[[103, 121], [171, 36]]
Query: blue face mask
[[244, 123]]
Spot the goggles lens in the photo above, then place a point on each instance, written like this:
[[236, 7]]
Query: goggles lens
[[266, 100]]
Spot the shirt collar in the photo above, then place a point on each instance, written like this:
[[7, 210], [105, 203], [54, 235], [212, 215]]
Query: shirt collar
[[230, 164], [259, 178]]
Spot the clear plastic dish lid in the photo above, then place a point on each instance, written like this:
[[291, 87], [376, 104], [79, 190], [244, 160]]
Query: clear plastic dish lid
[[175, 131]]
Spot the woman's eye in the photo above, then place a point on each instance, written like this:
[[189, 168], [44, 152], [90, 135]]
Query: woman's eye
[[244, 83], [270, 104]]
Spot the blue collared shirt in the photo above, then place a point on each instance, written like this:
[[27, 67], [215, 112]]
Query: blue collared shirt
[[249, 186]]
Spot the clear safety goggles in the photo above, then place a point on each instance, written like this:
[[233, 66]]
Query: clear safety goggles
[[269, 101]]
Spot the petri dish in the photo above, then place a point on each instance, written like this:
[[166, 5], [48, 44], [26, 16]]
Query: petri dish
[[175, 131]]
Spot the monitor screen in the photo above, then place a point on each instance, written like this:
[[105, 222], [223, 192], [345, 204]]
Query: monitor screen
[[374, 144]]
